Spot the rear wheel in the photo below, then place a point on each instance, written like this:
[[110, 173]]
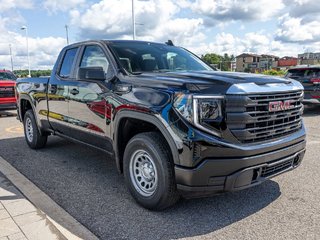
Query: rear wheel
[[32, 134], [148, 171]]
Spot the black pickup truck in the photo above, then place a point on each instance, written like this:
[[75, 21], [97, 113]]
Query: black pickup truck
[[175, 126]]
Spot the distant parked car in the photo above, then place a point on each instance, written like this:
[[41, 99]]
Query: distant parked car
[[7, 93], [310, 78]]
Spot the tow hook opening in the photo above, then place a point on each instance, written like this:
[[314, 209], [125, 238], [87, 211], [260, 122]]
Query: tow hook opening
[[256, 174], [296, 160]]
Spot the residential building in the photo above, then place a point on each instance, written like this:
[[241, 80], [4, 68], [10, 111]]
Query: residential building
[[267, 62], [247, 62], [309, 58], [287, 62]]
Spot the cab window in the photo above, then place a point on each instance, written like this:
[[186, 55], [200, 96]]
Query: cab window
[[67, 62], [94, 56]]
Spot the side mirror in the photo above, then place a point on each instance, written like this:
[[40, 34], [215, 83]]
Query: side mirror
[[91, 73]]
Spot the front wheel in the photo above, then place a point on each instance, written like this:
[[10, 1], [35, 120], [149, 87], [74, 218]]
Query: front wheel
[[32, 134], [148, 171]]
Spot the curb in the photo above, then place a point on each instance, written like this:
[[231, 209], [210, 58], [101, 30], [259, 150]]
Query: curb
[[63, 221]]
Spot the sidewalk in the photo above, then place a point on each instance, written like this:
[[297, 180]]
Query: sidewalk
[[19, 219], [28, 213]]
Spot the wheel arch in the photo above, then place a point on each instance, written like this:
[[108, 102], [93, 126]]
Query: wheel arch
[[153, 123], [25, 104]]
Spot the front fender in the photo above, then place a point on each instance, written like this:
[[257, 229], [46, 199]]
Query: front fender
[[174, 142]]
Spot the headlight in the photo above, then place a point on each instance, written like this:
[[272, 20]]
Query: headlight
[[205, 112]]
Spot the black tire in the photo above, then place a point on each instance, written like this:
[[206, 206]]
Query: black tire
[[165, 193], [37, 140]]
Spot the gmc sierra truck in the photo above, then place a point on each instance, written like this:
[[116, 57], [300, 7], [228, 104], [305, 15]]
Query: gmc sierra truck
[[175, 126], [7, 95]]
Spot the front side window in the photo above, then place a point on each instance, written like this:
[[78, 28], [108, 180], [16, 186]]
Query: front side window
[[67, 63], [138, 57], [94, 56]]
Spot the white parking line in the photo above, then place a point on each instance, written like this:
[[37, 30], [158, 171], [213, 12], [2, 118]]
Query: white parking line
[[15, 129]]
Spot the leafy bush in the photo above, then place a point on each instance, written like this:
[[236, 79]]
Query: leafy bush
[[274, 72], [34, 73]]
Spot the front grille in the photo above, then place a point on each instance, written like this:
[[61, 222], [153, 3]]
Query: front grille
[[250, 120], [6, 92], [269, 171]]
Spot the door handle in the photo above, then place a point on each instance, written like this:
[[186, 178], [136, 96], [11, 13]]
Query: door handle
[[53, 89], [74, 91]]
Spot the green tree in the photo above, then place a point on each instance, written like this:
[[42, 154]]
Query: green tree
[[211, 58], [34, 73], [221, 62]]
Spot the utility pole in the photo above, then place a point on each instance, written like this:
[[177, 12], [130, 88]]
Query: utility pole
[[67, 34], [133, 22], [11, 57], [26, 30]]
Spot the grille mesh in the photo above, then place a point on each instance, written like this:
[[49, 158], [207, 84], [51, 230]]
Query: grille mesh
[[269, 171], [6, 92], [249, 118]]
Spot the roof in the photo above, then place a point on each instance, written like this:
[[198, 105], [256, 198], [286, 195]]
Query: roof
[[305, 66], [269, 56], [4, 70], [287, 58], [110, 41], [248, 55]]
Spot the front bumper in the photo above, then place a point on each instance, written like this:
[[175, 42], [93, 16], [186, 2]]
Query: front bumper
[[312, 95], [215, 175], [8, 106]]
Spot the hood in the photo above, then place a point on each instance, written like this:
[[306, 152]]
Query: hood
[[210, 81], [211, 77], [7, 83]]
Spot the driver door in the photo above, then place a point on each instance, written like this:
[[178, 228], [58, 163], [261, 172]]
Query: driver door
[[88, 108]]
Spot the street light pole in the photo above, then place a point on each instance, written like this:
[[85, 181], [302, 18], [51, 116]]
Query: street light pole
[[133, 22], [11, 57], [67, 34], [26, 29]]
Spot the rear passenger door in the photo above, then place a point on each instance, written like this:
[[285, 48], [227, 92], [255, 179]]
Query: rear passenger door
[[88, 109], [58, 91]]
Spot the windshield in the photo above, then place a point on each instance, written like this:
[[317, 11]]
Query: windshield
[[138, 57], [7, 76]]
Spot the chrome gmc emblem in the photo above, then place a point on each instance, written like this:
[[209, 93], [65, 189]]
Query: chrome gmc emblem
[[280, 105], [6, 89]]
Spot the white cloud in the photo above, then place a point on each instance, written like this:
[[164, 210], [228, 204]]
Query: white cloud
[[43, 51], [15, 4], [252, 42], [53, 6], [155, 19], [293, 29], [228, 10], [301, 22]]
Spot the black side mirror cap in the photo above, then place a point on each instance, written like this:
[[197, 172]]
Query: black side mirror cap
[[91, 73]]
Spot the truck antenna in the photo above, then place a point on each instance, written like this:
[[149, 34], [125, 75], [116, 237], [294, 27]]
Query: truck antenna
[[170, 43]]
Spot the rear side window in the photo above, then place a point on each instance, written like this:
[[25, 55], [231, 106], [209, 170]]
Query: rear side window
[[306, 72], [296, 73], [314, 72], [67, 63]]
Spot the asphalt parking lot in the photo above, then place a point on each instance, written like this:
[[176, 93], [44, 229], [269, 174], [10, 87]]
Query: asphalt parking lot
[[86, 184]]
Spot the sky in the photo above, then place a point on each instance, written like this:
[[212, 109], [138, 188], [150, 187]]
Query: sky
[[278, 27]]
